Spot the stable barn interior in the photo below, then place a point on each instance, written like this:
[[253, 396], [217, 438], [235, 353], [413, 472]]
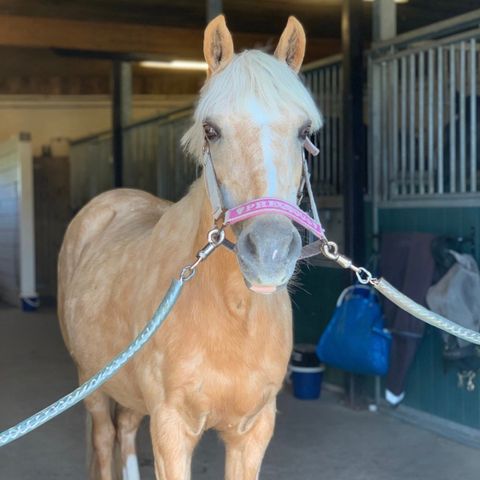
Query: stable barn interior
[[90, 101]]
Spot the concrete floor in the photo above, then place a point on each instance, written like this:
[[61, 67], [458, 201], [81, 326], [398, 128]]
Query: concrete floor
[[313, 440]]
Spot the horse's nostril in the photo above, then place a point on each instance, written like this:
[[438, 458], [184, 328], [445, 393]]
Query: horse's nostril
[[250, 245]]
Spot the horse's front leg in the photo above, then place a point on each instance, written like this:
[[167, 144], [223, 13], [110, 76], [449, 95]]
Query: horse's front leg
[[245, 449], [173, 443]]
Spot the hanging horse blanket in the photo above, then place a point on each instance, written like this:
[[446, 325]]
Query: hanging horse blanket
[[457, 294], [406, 260]]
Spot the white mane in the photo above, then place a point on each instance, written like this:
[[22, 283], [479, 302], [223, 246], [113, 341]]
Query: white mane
[[256, 73]]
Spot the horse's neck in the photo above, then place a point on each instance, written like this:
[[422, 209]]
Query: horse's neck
[[219, 280]]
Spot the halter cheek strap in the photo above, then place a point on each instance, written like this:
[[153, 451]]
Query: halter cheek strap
[[314, 151], [211, 183]]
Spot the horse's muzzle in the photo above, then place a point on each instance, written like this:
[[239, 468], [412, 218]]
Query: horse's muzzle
[[268, 248]]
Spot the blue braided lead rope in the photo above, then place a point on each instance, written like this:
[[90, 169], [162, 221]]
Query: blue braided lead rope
[[101, 377]]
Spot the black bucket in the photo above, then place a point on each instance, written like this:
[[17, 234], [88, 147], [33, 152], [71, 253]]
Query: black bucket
[[306, 372], [304, 355]]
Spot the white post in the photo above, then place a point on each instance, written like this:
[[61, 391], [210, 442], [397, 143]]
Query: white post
[[384, 20], [28, 293]]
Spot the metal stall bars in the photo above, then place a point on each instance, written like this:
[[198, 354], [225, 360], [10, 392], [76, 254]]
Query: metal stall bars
[[153, 159], [91, 168], [423, 103], [324, 80]]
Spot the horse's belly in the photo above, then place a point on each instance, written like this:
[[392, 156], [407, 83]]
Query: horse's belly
[[124, 391]]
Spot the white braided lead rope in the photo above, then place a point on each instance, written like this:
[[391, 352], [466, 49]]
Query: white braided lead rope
[[330, 250], [101, 377], [422, 313]]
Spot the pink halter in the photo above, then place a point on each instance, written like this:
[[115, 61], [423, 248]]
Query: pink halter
[[263, 206]]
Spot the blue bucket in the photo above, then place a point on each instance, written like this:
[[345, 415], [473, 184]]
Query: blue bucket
[[307, 381]]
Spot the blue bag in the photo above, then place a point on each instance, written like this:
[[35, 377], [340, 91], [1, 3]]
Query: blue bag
[[355, 339]]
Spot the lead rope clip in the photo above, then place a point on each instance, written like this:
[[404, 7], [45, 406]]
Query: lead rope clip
[[330, 250]]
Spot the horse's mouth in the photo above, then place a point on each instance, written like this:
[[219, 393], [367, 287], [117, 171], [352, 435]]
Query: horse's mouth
[[264, 289], [267, 250], [256, 285]]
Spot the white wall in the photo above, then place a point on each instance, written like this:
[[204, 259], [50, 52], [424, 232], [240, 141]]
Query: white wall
[[28, 281], [48, 118], [8, 222], [17, 243]]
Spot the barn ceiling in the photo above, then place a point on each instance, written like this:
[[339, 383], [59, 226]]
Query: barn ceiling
[[320, 17], [142, 24]]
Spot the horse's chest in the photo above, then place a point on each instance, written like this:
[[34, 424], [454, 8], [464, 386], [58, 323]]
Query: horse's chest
[[227, 374], [229, 393], [227, 401]]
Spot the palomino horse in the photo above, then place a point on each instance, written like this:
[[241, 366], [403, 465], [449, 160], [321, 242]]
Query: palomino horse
[[220, 359]]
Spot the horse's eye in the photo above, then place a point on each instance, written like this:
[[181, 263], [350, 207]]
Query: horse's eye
[[304, 132], [210, 132]]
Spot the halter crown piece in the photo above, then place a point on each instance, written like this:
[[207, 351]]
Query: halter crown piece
[[267, 205]]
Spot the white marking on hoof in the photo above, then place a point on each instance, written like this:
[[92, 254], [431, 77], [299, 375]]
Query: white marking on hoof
[[130, 469]]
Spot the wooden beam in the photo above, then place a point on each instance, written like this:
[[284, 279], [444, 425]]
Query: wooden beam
[[353, 134], [353, 156], [166, 42], [268, 16], [213, 8]]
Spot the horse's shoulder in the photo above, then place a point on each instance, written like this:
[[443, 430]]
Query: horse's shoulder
[[128, 199], [123, 203], [102, 213]]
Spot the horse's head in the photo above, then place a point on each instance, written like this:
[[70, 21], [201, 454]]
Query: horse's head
[[255, 114]]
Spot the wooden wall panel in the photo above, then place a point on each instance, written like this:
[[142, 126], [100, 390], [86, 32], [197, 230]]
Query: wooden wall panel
[[52, 214]]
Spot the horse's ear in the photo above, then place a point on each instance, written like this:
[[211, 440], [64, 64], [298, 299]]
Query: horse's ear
[[291, 46], [217, 44]]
